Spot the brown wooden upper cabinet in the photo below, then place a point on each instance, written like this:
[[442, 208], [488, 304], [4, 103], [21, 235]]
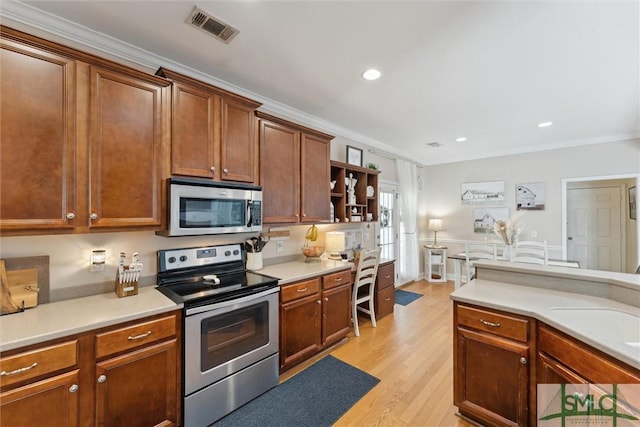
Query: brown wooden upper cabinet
[[294, 172], [212, 131], [84, 140]]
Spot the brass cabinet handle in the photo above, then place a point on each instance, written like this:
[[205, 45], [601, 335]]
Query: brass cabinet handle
[[338, 279], [388, 299], [495, 325], [137, 337], [301, 290], [18, 371]]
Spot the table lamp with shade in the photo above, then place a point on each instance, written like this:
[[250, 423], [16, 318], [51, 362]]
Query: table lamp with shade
[[334, 244], [435, 225]]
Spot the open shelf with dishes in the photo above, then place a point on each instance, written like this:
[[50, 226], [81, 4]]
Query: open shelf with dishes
[[354, 193]]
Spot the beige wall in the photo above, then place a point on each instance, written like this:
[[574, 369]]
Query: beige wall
[[441, 197]]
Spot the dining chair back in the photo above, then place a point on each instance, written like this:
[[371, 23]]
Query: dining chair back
[[532, 252], [363, 287], [476, 251]]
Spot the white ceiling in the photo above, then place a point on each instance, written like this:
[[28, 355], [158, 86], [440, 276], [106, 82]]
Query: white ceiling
[[489, 71]]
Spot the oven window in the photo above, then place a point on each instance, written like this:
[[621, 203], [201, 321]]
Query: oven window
[[227, 336], [207, 213]]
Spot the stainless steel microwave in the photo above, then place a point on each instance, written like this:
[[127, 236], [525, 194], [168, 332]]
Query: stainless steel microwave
[[199, 207]]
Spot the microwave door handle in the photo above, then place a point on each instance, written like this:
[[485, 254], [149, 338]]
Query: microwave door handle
[[249, 214]]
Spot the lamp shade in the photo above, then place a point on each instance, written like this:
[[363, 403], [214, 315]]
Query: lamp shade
[[435, 224], [334, 241]]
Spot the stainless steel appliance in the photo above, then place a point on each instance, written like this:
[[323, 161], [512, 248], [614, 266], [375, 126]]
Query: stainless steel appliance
[[230, 353], [198, 207]]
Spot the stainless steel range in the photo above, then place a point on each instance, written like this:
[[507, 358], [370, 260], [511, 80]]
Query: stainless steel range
[[230, 353]]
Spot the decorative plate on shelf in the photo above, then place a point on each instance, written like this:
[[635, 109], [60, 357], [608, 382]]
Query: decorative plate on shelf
[[370, 191]]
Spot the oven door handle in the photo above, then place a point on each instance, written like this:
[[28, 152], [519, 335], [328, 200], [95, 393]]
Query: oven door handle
[[218, 305]]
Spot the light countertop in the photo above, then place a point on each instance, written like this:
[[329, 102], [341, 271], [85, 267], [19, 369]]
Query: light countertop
[[607, 325], [58, 319], [290, 272]]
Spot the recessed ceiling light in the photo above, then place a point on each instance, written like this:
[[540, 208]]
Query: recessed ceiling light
[[461, 139], [544, 124], [371, 74]]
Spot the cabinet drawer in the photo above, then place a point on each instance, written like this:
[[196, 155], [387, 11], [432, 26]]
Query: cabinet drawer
[[133, 336], [501, 324], [385, 299], [299, 289], [39, 362], [336, 279], [586, 362], [386, 275]]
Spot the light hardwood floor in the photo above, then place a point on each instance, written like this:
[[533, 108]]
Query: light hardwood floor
[[411, 352]]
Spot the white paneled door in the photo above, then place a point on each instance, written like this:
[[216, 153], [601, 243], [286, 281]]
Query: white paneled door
[[594, 230]]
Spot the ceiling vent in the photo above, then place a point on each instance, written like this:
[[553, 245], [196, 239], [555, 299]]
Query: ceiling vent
[[434, 144], [213, 26]]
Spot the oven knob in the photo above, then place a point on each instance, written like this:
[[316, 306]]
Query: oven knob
[[227, 253], [172, 259], [236, 252], [183, 258]]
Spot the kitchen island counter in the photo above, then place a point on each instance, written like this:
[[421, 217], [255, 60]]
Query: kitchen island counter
[[594, 317], [58, 319]]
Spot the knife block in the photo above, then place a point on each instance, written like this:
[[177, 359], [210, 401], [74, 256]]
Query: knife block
[[125, 289]]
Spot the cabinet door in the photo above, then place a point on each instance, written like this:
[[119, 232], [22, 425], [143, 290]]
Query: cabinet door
[[280, 173], [192, 131], [239, 146], [315, 192], [299, 330], [385, 300], [126, 150], [37, 130], [336, 314], [52, 402], [491, 381], [139, 388], [552, 372]]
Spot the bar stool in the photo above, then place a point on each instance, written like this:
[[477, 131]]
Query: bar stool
[[363, 287]]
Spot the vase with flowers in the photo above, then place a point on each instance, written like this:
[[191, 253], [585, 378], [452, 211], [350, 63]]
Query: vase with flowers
[[508, 231]]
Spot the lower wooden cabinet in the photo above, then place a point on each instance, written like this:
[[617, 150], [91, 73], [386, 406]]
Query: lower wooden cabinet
[[385, 289], [124, 375], [565, 360], [314, 314], [135, 389], [496, 377], [50, 402], [491, 366]]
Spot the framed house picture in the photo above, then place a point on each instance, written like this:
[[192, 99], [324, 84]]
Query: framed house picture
[[632, 202], [354, 156]]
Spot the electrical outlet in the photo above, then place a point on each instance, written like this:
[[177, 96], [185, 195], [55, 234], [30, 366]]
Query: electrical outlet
[[534, 234], [279, 246]]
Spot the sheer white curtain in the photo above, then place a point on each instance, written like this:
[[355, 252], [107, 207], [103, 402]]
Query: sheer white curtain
[[408, 262]]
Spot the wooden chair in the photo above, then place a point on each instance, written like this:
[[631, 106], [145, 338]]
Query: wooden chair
[[531, 251], [475, 251], [363, 287]]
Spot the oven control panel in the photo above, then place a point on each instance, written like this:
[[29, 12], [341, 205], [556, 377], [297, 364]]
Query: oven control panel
[[173, 259]]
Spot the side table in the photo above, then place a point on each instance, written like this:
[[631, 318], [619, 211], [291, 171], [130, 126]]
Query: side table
[[435, 268]]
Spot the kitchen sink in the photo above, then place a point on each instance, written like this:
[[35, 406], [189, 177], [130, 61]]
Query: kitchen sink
[[609, 324]]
